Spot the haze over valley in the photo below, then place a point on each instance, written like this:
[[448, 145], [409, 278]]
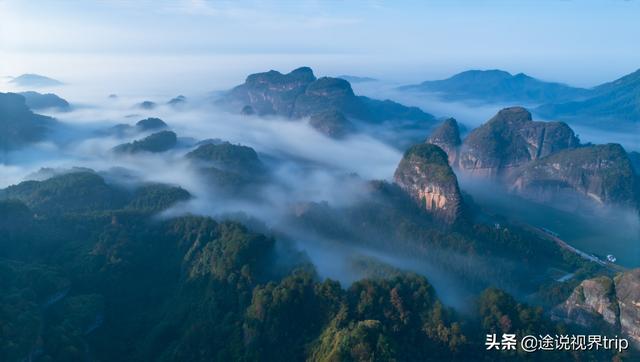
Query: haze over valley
[[202, 191]]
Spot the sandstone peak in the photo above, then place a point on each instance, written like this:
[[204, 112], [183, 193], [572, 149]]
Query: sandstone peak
[[447, 137], [424, 173], [511, 139], [614, 301], [513, 115]]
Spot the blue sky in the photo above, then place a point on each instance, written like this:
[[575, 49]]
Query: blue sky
[[580, 42]]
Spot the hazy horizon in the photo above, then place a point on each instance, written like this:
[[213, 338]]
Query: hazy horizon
[[202, 46]]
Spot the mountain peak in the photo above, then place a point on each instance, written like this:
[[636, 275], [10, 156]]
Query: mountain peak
[[447, 137], [35, 80], [510, 139], [498, 86], [300, 94], [512, 115], [303, 71], [424, 173]]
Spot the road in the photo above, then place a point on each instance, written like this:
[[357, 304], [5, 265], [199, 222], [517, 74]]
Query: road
[[563, 244]]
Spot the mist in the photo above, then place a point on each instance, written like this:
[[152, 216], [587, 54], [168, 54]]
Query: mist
[[578, 222], [305, 166]]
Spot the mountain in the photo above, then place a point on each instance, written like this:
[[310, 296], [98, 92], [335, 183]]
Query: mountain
[[602, 173], [634, 157], [356, 79], [510, 139], [614, 104], [233, 170], [424, 173], [228, 157], [157, 142], [143, 125], [300, 94], [331, 123], [541, 161], [18, 124], [177, 101], [498, 86], [72, 192], [447, 137], [35, 100], [150, 124], [35, 80], [147, 105], [605, 300], [86, 191], [90, 278]]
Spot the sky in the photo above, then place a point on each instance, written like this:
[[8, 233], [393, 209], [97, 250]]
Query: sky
[[581, 43]]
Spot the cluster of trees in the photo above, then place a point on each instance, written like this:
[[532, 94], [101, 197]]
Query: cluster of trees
[[115, 283]]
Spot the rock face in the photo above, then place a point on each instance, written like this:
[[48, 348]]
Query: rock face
[[511, 139], [158, 142], [424, 173], [628, 295], [447, 137], [300, 94], [18, 124], [591, 300], [271, 93], [616, 302], [603, 173], [543, 161]]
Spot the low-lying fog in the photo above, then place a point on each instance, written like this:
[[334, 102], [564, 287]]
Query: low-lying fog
[[306, 165], [595, 231]]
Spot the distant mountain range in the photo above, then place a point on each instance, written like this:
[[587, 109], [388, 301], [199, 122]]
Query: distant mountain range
[[35, 80], [356, 79], [499, 86], [615, 104]]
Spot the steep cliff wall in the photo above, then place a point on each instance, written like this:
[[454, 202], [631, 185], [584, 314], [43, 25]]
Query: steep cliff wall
[[424, 173]]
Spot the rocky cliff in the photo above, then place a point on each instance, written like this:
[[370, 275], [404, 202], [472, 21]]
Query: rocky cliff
[[602, 173], [543, 161], [612, 301], [300, 94], [511, 139], [424, 173], [447, 137], [271, 93]]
